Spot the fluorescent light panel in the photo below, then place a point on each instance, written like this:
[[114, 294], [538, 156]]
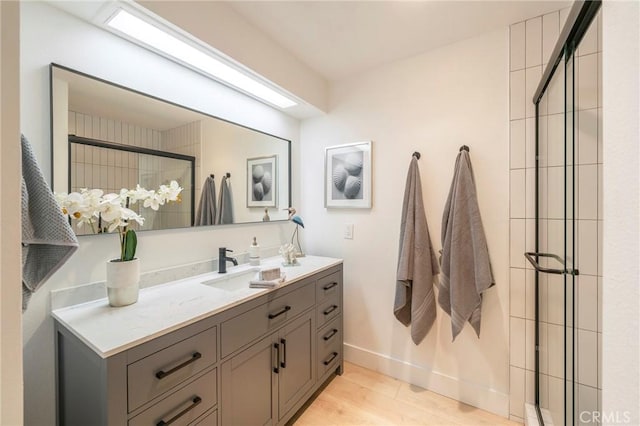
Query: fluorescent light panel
[[156, 38]]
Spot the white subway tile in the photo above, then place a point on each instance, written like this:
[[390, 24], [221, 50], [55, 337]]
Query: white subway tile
[[543, 189], [555, 140], [532, 79], [544, 390], [555, 343], [556, 400], [530, 387], [517, 243], [587, 87], [588, 136], [530, 341], [555, 299], [530, 238], [599, 360], [587, 192], [588, 358], [588, 410], [117, 131], [555, 92], [530, 199], [517, 342], [600, 246], [517, 293], [517, 136], [587, 289], [550, 32], [564, 13], [555, 192], [534, 42], [599, 60], [517, 46], [543, 351], [530, 289], [517, 193], [530, 142], [587, 250], [516, 387], [517, 95]]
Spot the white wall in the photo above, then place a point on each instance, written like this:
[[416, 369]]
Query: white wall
[[432, 103], [65, 40], [621, 296], [10, 275]]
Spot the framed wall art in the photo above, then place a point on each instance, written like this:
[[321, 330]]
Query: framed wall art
[[262, 181], [347, 180]]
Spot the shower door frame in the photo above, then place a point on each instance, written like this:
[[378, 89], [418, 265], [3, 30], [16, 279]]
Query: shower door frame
[[580, 17]]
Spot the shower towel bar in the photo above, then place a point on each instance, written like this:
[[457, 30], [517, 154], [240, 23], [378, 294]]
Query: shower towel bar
[[534, 262]]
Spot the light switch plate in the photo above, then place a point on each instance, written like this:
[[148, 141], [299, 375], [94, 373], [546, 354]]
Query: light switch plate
[[348, 231]]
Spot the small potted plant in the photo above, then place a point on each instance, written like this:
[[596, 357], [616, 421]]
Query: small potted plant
[[110, 212]]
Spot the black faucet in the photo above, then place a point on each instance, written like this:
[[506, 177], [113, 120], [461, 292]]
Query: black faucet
[[223, 259]]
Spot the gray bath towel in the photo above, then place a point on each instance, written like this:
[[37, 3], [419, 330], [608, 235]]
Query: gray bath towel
[[47, 238], [466, 270], [415, 302], [206, 213], [225, 203]]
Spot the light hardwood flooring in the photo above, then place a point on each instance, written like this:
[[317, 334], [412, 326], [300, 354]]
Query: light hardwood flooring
[[365, 397]]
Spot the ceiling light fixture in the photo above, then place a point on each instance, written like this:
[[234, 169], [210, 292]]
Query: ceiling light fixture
[[171, 46]]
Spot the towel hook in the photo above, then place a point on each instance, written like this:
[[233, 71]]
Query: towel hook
[[465, 148], [416, 154], [212, 176], [228, 174]]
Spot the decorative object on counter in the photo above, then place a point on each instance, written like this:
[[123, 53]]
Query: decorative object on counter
[[295, 236], [262, 181], [108, 212], [288, 253], [348, 176], [466, 267], [47, 238], [254, 253], [266, 217]]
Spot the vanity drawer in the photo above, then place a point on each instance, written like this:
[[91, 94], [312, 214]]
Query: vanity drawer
[[246, 327], [161, 371], [328, 286], [329, 343], [184, 405], [210, 419], [328, 310]]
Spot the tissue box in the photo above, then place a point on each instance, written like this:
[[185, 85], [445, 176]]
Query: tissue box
[[270, 274]]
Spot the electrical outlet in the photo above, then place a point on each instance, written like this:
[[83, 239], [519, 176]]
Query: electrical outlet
[[348, 231]]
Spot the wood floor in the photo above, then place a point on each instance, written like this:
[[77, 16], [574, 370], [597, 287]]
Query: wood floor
[[364, 397]]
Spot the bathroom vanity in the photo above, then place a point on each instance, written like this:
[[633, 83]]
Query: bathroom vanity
[[205, 350]]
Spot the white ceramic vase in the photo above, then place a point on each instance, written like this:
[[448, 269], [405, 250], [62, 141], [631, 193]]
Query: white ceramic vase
[[123, 282]]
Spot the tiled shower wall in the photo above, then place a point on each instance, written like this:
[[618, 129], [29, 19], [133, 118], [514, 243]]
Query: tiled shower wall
[[111, 170], [531, 43]]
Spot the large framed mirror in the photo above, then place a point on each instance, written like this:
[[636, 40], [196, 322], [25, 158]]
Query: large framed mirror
[[108, 137]]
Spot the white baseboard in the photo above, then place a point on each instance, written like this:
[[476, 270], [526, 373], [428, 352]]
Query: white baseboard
[[452, 387]]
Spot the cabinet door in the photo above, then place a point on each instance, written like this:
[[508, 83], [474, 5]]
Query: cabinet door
[[247, 381], [296, 375]]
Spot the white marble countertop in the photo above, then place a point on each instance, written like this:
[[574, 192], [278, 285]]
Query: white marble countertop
[[167, 307]]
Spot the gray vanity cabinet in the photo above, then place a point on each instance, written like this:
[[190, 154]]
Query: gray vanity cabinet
[[255, 363], [261, 384]]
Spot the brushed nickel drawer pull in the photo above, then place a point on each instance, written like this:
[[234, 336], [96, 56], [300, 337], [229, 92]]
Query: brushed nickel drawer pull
[[277, 314], [194, 402], [330, 334], [333, 356], [162, 374], [330, 286], [330, 309]]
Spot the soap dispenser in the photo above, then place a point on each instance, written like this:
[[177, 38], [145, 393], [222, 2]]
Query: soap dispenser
[[254, 253]]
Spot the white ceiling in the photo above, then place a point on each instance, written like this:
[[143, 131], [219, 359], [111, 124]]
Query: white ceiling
[[339, 39]]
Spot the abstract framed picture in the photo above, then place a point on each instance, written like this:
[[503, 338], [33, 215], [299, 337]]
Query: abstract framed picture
[[347, 176], [262, 181]]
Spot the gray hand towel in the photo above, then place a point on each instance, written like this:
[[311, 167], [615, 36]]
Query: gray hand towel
[[47, 238], [225, 204], [415, 302], [206, 213], [466, 270]]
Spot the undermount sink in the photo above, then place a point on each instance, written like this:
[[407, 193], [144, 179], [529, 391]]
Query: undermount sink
[[232, 281]]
